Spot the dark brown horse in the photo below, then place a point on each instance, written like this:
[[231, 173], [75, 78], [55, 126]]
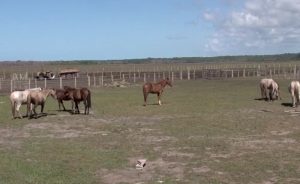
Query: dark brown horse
[[155, 88], [78, 95], [60, 95]]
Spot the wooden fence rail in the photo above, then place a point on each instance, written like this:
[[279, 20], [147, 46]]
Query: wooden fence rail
[[103, 78]]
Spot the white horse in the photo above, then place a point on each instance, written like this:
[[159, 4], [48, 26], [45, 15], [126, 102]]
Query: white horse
[[17, 98], [269, 89], [294, 89]]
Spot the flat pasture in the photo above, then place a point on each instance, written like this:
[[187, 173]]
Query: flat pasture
[[206, 131]]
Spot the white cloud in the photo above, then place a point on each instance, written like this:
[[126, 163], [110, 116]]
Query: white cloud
[[260, 27]]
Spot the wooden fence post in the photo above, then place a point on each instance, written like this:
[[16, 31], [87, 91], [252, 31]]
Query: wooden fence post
[[75, 82], [35, 83], [194, 74], [154, 77], [172, 76], [89, 81], [188, 72], [28, 84], [94, 80], [180, 74], [144, 77], [134, 79], [45, 85], [11, 85], [60, 83], [112, 77]]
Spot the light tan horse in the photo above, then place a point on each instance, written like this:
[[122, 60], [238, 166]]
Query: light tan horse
[[294, 89], [36, 98], [17, 98], [269, 89]]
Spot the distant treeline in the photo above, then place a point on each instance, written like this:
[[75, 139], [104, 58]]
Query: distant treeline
[[216, 59]]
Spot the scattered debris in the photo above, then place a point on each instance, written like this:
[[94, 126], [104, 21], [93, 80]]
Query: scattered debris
[[141, 163]]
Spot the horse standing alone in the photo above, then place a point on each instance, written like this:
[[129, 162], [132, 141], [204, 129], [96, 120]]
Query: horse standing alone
[[294, 89], [38, 98], [155, 88], [78, 95], [17, 98]]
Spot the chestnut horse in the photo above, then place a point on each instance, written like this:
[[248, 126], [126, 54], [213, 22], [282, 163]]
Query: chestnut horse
[[38, 98], [155, 88], [78, 95], [60, 96]]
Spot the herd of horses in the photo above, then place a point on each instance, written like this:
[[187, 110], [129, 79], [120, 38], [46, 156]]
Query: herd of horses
[[270, 91], [37, 97]]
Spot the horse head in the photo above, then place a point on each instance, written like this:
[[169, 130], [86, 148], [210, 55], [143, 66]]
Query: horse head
[[168, 82], [52, 93]]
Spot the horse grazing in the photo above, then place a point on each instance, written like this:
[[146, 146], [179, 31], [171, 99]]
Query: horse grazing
[[38, 98], [155, 88], [60, 96], [78, 95], [294, 89], [17, 98], [269, 89]]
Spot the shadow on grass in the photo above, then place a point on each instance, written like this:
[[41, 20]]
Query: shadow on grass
[[260, 99], [40, 115], [287, 104]]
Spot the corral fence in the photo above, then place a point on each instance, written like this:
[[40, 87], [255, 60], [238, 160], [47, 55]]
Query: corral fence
[[108, 78]]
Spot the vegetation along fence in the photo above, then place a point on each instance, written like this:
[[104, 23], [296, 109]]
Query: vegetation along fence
[[193, 72]]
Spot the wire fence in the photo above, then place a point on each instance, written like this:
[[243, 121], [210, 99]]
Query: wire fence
[[106, 78]]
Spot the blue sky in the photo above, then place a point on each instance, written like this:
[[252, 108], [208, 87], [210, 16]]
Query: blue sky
[[123, 29]]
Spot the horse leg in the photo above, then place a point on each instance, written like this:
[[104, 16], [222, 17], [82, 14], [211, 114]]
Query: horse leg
[[62, 103], [13, 107], [35, 114], [42, 108], [293, 98], [85, 106], [145, 98], [59, 102], [158, 98], [77, 107], [18, 110]]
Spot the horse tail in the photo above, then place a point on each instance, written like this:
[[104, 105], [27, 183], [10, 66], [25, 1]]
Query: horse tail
[[89, 99]]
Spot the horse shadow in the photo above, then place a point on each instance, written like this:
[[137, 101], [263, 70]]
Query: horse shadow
[[40, 115], [287, 104], [260, 99]]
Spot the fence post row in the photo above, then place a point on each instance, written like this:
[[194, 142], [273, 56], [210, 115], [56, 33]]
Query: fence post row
[[288, 71]]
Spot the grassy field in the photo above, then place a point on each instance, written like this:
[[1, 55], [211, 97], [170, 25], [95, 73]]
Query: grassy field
[[206, 131]]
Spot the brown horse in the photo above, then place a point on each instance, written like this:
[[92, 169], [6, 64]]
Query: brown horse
[[38, 98], [78, 95], [60, 96], [155, 88]]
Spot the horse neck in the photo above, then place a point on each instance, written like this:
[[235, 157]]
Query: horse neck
[[163, 83], [46, 93]]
